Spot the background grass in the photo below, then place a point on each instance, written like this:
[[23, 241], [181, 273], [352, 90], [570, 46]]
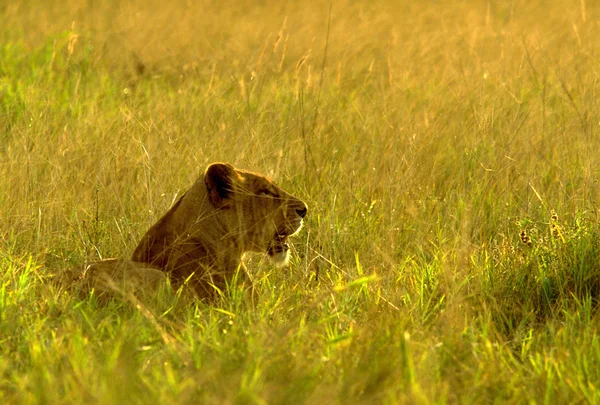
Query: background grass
[[448, 153]]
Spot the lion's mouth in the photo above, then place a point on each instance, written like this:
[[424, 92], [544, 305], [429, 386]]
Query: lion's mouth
[[279, 245], [278, 248]]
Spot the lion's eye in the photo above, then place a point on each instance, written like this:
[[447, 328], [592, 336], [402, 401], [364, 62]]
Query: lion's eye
[[267, 192]]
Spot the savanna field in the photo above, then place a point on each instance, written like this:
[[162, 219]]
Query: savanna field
[[449, 153]]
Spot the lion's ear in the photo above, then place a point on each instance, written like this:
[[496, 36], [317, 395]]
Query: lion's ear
[[219, 178]]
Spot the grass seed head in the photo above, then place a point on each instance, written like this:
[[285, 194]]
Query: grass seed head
[[525, 238]]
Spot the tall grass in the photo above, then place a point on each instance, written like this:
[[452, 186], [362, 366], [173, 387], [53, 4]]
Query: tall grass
[[448, 154]]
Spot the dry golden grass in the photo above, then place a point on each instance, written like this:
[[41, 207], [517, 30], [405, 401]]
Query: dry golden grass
[[426, 139]]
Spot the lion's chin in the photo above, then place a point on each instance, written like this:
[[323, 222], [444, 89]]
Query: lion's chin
[[281, 259], [279, 252]]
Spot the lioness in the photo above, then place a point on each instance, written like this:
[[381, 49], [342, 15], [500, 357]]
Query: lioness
[[226, 213], [200, 241]]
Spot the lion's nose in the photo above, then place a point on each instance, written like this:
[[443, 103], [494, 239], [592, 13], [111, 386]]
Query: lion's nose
[[302, 211]]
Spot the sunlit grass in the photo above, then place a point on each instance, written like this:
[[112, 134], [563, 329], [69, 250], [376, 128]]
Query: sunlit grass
[[448, 154]]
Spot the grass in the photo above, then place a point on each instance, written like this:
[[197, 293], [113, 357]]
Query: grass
[[448, 154]]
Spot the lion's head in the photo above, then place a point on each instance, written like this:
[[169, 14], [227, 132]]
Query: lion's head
[[252, 207]]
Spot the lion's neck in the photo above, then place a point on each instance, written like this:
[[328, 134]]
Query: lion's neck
[[190, 235]]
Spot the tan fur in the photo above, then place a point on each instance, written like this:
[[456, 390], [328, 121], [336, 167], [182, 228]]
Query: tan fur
[[200, 241], [115, 276], [226, 213]]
